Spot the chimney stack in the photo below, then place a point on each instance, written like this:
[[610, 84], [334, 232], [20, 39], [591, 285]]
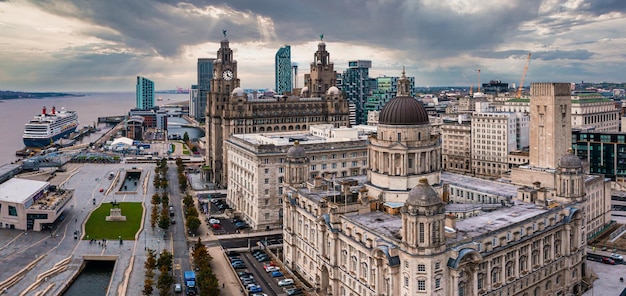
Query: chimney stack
[[43, 112], [54, 110]]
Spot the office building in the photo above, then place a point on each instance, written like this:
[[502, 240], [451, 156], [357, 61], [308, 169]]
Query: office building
[[232, 111], [456, 145], [604, 152], [386, 88], [283, 72], [257, 166], [357, 87], [193, 102], [205, 74], [144, 93], [593, 112], [395, 233]]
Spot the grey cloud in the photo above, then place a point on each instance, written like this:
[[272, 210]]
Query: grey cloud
[[578, 54]]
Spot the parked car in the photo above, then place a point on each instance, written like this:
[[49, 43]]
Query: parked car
[[172, 221], [607, 260], [235, 220], [277, 273], [178, 288], [263, 258], [616, 257], [259, 294], [285, 282], [242, 273], [238, 265], [248, 281], [101, 189], [255, 288], [241, 225], [214, 221], [270, 268], [294, 291], [216, 226]]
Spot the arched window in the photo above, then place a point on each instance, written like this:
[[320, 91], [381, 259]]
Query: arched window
[[523, 263], [495, 275], [510, 271], [480, 281], [462, 289]]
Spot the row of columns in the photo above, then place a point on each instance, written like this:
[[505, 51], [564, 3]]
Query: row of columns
[[398, 163]]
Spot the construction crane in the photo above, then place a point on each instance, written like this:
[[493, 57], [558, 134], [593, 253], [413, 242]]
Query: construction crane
[[521, 84]]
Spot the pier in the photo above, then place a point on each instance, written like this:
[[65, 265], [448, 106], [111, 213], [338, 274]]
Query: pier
[[111, 119]]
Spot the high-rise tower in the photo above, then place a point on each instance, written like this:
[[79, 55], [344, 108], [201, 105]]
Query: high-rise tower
[[550, 123], [283, 70], [144, 93], [357, 86], [205, 74]]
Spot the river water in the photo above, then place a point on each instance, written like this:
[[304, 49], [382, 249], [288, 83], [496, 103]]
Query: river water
[[15, 113]]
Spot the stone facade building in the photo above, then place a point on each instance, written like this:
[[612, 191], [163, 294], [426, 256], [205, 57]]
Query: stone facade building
[[347, 236], [231, 111]]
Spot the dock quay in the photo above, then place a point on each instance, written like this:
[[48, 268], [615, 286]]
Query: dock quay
[[111, 119]]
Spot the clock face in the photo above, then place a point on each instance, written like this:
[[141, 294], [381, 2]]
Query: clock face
[[227, 75]]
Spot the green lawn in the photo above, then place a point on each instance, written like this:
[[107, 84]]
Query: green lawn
[[98, 228]]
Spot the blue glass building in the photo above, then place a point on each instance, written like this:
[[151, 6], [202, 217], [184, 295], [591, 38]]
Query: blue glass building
[[283, 70], [357, 86], [205, 74], [144, 94]]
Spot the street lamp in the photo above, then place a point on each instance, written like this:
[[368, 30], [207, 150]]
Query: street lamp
[[145, 242], [158, 247]]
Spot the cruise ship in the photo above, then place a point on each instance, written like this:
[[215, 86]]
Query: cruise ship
[[46, 128]]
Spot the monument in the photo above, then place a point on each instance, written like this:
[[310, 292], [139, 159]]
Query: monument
[[116, 212]]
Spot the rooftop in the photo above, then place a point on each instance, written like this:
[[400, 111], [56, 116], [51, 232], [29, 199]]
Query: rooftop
[[19, 190], [382, 223], [480, 185], [492, 221]]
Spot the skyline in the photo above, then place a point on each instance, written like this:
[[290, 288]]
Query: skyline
[[79, 45]]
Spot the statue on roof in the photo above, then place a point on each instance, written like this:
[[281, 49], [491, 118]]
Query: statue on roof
[[321, 37], [224, 32]]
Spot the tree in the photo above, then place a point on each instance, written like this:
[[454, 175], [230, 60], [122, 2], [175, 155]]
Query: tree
[[147, 286], [165, 281], [154, 216], [193, 223], [182, 182], [191, 212], [188, 201], [186, 137], [151, 261], [165, 259], [156, 199], [164, 219], [165, 199]]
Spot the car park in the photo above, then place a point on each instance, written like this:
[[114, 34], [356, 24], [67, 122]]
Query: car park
[[294, 291], [616, 257], [607, 260], [276, 273], [285, 282]]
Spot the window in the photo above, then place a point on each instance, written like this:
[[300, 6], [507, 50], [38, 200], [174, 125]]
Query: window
[[267, 216], [437, 283], [437, 265], [267, 171], [267, 181], [421, 285], [266, 191], [481, 281], [421, 268], [495, 276], [12, 211], [281, 170], [406, 281], [267, 202]]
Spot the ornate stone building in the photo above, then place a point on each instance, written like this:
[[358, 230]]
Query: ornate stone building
[[231, 111], [348, 237]]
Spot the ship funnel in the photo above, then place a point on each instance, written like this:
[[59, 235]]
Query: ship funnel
[[43, 112], [54, 110]]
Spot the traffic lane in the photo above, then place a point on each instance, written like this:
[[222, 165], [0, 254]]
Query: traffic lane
[[268, 284], [242, 242]]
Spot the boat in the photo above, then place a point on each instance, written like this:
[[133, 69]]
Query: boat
[[46, 128]]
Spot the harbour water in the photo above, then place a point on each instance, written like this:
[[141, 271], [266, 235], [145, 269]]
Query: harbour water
[[15, 113], [93, 280]]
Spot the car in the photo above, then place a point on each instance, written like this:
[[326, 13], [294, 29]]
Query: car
[[241, 225], [235, 220], [248, 281], [237, 261], [257, 252], [266, 265], [607, 260], [616, 257], [263, 259], [242, 273], [178, 288], [277, 273], [259, 294], [257, 255], [246, 277], [294, 291], [254, 288], [238, 265], [216, 226], [285, 282], [214, 221], [172, 221], [270, 268], [101, 189]]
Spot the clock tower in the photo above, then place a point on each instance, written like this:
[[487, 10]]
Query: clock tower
[[223, 83]]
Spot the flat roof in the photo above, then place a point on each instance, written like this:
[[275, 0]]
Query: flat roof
[[480, 185], [19, 190], [492, 221]]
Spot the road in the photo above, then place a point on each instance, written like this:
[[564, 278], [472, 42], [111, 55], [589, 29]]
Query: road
[[176, 237]]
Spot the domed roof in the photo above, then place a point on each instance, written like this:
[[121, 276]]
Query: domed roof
[[238, 91], [296, 151], [423, 195], [403, 110], [333, 90], [570, 160], [304, 90]]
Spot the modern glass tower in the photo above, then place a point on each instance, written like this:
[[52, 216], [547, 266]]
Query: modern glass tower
[[357, 85], [144, 93], [386, 89], [205, 74], [283, 70]]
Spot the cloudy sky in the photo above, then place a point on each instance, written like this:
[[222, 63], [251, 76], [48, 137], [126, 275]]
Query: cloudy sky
[[101, 45]]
